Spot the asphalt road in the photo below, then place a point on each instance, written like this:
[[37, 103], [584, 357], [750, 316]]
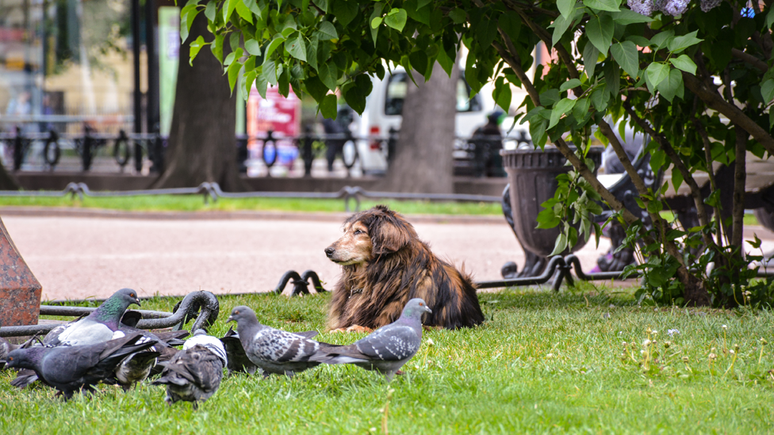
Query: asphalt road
[[78, 255]]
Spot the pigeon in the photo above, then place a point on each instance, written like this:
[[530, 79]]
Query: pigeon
[[98, 326], [5, 349], [237, 358], [73, 368], [387, 348], [137, 366], [273, 350], [194, 373]]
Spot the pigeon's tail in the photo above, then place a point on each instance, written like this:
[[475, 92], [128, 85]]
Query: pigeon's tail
[[338, 354], [117, 350], [307, 334]]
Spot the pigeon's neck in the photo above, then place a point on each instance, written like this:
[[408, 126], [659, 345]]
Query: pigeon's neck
[[109, 312], [248, 330], [409, 321], [32, 357]]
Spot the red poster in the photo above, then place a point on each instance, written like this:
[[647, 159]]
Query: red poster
[[279, 114]]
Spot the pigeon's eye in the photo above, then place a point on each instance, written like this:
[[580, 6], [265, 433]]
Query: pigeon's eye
[[132, 295]]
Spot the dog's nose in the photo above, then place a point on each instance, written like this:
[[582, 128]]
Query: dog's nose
[[329, 251]]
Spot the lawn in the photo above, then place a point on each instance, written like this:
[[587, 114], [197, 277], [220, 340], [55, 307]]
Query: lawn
[[542, 362]]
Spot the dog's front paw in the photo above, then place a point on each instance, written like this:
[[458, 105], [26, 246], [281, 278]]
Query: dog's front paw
[[358, 328]]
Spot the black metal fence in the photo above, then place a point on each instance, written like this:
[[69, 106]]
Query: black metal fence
[[140, 149]]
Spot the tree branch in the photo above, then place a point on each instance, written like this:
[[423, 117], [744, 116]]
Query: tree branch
[[714, 101], [721, 229], [740, 173], [698, 201], [750, 59]]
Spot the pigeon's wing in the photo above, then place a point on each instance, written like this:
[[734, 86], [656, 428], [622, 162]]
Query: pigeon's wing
[[81, 332], [196, 365], [390, 343], [307, 334], [237, 358], [131, 318], [271, 344]]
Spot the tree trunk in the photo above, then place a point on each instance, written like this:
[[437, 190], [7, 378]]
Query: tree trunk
[[423, 160], [7, 180], [202, 139]]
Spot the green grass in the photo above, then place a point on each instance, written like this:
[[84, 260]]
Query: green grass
[[196, 203], [542, 362]]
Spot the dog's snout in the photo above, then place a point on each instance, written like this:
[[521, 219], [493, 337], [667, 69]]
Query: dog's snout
[[329, 251]]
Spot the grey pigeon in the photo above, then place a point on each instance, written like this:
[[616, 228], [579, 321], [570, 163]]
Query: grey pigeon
[[194, 373], [387, 348], [98, 326], [237, 358], [137, 366], [5, 349], [73, 368], [272, 350]]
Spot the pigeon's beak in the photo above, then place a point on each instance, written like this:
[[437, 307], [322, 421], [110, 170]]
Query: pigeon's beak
[[428, 310], [230, 319], [137, 301]]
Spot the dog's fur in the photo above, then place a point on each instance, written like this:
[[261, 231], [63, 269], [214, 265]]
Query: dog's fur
[[384, 265]]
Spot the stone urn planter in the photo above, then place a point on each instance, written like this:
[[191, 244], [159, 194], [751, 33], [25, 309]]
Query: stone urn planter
[[532, 178]]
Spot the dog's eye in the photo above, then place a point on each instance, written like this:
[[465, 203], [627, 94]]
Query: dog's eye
[[359, 232]]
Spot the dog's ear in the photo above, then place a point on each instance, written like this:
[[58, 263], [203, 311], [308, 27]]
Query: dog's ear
[[390, 236]]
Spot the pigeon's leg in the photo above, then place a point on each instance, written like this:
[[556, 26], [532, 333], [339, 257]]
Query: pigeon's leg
[[389, 375], [289, 373]]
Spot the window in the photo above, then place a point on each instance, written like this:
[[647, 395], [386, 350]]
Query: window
[[396, 93]]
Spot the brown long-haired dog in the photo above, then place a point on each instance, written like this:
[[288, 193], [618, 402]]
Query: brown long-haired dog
[[384, 265]]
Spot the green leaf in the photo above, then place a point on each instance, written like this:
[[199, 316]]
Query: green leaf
[[502, 94], [458, 16], [662, 39], [187, 16], [684, 63], [562, 107], [565, 7], [537, 130], [677, 179], [570, 84], [378, 7], [560, 245], [590, 58], [210, 11], [625, 17], [446, 62], [253, 47], [672, 86], [244, 12], [274, 44], [655, 74], [228, 9], [327, 31], [345, 10], [296, 47], [233, 74], [322, 4], [396, 19], [770, 17], [217, 47], [767, 91], [581, 109], [196, 46], [626, 54], [253, 6], [329, 74], [419, 61], [316, 88], [600, 32], [560, 26], [328, 105], [603, 5], [680, 43]]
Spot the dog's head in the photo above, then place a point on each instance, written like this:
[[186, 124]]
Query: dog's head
[[370, 234]]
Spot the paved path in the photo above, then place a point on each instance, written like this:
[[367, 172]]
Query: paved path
[[80, 254]]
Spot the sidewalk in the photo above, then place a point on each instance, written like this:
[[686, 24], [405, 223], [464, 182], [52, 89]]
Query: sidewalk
[[81, 253]]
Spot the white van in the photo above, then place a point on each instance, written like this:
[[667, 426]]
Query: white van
[[383, 113]]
